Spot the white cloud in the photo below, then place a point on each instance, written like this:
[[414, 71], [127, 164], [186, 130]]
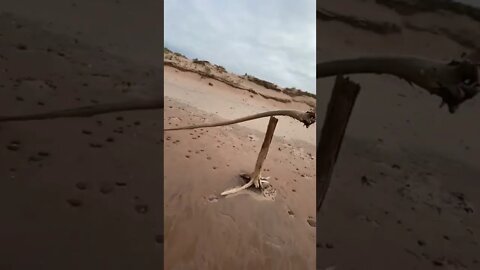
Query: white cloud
[[271, 39]]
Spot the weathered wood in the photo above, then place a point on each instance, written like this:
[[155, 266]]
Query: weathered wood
[[255, 176], [340, 108], [307, 118], [455, 82], [89, 111], [272, 124]]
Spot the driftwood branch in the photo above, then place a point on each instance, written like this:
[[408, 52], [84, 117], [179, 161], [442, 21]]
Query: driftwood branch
[[340, 108], [89, 111], [455, 81], [307, 118], [272, 124], [255, 176]]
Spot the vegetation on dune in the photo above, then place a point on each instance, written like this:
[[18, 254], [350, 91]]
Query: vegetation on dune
[[209, 67], [261, 82], [294, 92]]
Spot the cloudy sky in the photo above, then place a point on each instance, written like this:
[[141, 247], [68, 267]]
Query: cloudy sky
[[271, 39]]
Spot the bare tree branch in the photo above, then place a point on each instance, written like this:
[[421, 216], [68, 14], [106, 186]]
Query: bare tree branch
[[307, 118], [455, 81], [89, 111]]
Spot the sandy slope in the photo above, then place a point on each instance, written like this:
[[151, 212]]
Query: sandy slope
[[405, 194]]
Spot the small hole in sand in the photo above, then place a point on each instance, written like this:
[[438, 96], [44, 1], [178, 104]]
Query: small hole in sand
[[75, 202]]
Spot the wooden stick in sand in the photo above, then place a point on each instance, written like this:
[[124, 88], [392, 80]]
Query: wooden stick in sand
[[340, 108], [255, 178]]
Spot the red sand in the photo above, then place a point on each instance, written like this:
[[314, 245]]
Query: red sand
[[204, 230]]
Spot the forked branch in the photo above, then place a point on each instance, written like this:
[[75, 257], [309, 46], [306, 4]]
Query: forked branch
[[455, 81], [255, 177]]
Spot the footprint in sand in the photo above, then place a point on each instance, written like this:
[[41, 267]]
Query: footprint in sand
[[421, 243], [13, 146], [212, 198], [82, 185], [329, 245], [141, 208], [290, 212], [312, 222], [21, 47], [159, 238], [96, 145], [75, 202]]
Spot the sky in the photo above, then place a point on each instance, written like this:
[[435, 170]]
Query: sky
[[273, 40]]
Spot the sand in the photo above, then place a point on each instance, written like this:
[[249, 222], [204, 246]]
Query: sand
[[76, 193], [204, 230], [405, 192]]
